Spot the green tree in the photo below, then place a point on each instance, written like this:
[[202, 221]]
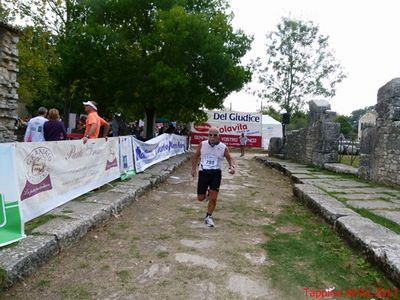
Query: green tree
[[298, 120], [169, 57], [272, 112], [55, 18], [300, 65], [345, 125], [37, 58]]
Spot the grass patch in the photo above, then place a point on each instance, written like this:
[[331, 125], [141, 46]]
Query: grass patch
[[3, 278], [35, 223], [253, 193], [134, 251], [43, 283], [162, 237], [31, 225], [123, 275], [315, 257], [135, 238], [77, 292], [349, 160], [377, 219], [105, 267], [162, 254]]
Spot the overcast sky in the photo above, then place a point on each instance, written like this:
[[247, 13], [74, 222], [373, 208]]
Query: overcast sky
[[365, 36]]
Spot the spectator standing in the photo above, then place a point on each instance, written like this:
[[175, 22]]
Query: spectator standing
[[94, 122], [243, 143], [34, 129], [54, 129], [115, 125]]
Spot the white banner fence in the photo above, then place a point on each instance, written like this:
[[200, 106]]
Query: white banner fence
[[38, 177]]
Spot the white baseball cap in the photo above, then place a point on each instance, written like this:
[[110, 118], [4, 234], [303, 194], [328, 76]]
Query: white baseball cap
[[90, 103]]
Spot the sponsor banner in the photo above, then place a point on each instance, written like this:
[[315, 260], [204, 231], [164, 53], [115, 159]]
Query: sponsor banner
[[127, 167], [229, 140], [158, 149], [11, 226], [231, 125], [52, 173]]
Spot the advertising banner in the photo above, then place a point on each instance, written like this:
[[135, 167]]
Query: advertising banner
[[158, 149], [231, 125], [52, 173], [127, 167], [11, 226]]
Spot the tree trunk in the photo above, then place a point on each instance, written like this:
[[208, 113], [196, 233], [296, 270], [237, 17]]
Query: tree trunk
[[67, 106], [149, 122]]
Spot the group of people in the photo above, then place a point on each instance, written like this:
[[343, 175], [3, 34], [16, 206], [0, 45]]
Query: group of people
[[41, 128], [47, 126]]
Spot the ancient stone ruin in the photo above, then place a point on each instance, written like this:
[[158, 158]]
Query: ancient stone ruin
[[316, 144], [8, 82], [380, 143]]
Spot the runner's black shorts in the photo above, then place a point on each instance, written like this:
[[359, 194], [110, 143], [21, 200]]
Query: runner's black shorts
[[209, 179]]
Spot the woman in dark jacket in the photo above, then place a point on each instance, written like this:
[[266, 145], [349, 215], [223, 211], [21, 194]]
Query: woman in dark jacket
[[54, 129]]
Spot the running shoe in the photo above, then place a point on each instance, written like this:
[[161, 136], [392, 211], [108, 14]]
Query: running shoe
[[209, 221]]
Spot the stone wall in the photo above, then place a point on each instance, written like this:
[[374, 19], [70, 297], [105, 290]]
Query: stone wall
[[316, 144], [380, 144], [8, 82]]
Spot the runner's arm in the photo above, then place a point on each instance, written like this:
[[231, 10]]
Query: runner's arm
[[229, 159], [195, 160]]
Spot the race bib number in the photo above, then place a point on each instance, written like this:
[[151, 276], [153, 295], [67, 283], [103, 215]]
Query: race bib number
[[210, 162]]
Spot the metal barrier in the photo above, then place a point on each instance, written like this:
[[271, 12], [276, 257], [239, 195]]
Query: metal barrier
[[348, 146]]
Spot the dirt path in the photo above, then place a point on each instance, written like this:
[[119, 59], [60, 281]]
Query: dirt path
[[160, 249]]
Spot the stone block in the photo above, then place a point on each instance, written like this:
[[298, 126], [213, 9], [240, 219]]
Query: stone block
[[341, 168], [67, 231], [115, 200], [26, 257], [379, 243], [367, 204], [92, 213], [327, 207], [391, 215]]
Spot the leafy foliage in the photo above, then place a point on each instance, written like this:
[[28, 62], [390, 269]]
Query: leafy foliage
[[170, 57], [37, 59], [300, 65], [345, 125]]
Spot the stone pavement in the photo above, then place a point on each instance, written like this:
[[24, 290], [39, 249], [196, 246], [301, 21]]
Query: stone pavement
[[74, 219], [340, 201]]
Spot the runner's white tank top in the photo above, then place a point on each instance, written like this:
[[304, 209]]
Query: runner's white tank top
[[211, 157]]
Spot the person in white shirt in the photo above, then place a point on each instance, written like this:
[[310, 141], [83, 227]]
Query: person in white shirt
[[210, 154], [243, 143], [34, 129]]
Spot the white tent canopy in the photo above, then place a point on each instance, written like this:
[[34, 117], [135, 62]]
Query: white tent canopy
[[270, 128]]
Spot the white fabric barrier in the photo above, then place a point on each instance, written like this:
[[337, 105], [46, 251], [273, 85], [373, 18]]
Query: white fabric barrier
[[52, 173], [158, 149], [127, 167], [11, 226]]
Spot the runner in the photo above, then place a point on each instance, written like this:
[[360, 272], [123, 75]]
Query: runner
[[210, 153], [243, 143]]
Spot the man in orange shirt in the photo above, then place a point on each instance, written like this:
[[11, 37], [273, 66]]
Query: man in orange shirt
[[93, 122]]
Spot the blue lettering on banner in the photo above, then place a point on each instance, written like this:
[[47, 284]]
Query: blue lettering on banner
[[244, 118], [220, 116], [139, 154]]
